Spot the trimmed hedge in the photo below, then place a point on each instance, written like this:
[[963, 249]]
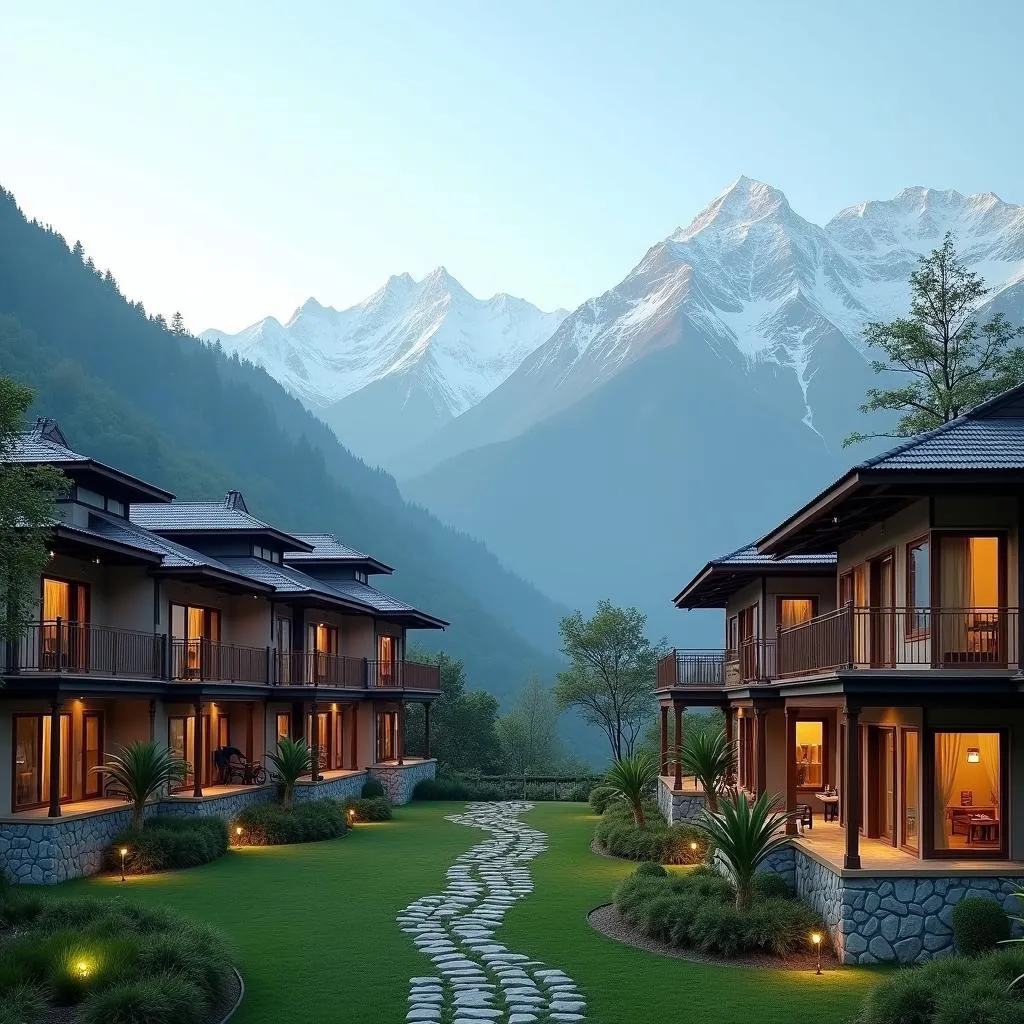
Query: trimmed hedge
[[166, 843], [979, 925], [656, 841], [117, 963], [648, 869], [600, 797], [952, 990], [697, 910], [372, 788], [453, 789], [308, 822], [375, 808]]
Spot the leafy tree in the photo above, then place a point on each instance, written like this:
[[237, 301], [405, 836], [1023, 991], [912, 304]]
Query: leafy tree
[[463, 733], [141, 771], [178, 324], [949, 363], [291, 760], [611, 676], [711, 760], [27, 507], [528, 734], [744, 834], [632, 778]]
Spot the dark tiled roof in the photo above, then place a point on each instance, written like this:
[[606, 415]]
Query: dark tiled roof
[[750, 556], [964, 443], [327, 548], [43, 443], [368, 595]]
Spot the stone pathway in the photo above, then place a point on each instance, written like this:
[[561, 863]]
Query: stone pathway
[[479, 980]]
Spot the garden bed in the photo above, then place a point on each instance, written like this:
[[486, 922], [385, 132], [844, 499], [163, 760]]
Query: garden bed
[[616, 835], [309, 822]]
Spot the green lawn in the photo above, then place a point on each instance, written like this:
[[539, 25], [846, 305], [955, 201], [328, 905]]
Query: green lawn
[[315, 929]]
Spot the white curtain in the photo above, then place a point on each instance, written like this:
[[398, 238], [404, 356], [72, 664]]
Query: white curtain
[[948, 750], [988, 746], [955, 594]]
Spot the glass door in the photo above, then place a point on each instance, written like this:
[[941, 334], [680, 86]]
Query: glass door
[[883, 598], [92, 753], [910, 788], [886, 753]]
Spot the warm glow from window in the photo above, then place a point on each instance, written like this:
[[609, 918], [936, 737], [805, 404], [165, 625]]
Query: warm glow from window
[[983, 559], [810, 741], [794, 610]]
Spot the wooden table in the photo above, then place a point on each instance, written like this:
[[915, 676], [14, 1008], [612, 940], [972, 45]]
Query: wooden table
[[982, 828], [961, 815]]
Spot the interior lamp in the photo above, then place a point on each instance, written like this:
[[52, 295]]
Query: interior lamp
[[973, 755]]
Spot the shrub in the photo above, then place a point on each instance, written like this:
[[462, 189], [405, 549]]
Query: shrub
[[651, 870], [666, 844], [979, 925], [19, 907], [373, 808], [165, 843], [201, 966], [23, 1004], [717, 928], [372, 788], [906, 996], [164, 999], [600, 797], [307, 822], [455, 789], [768, 886]]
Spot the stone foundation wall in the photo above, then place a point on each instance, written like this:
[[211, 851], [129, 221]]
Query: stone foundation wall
[[678, 807], [400, 781], [330, 789], [223, 806]]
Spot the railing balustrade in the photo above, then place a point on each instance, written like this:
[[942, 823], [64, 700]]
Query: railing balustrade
[[210, 660], [58, 645]]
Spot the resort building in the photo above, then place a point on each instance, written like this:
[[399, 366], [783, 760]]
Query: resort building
[[870, 679], [200, 626]]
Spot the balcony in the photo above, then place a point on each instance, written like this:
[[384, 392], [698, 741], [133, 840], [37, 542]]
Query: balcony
[[211, 661], [308, 668], [899, 638], [752, 663], [75, 648]]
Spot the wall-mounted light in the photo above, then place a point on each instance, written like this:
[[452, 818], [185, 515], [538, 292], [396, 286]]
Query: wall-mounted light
[[973, 755]]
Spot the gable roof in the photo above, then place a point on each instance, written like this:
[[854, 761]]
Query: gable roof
[[44, 444], [326, 549], [983, 446], [722, 577], [211, 517]]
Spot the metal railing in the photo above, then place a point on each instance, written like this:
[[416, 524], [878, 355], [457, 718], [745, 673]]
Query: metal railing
[[859, 638], [308, 668], [80, 648], [698, 668], [210, 660], [410, 675], [753, 662]]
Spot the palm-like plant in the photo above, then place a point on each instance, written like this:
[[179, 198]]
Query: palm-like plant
[[711, 759], [631, 778], [292, 760], [141, 770], [745, 834]]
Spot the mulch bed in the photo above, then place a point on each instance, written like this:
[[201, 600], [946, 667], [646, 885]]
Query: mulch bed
[[606, 920]]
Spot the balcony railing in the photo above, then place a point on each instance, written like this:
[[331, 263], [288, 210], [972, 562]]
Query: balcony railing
[[308, 668], [691, 668], [209, 660], [753, 662], [860, 638], [409, 675], [59, 646]]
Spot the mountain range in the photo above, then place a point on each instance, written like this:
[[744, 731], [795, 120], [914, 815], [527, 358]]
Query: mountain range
[[683, 410]]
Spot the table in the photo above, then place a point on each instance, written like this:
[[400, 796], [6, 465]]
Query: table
[[831, 803], [961, 815], [982, 828]]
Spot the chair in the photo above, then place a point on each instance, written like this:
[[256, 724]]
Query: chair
[[805, 816]]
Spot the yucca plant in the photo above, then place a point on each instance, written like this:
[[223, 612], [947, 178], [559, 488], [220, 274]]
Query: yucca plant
[[631, 779], [142, 770], [292, 760], [745, 834], [711, 759]]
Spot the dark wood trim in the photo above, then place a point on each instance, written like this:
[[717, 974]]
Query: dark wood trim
[[910, 632], [96, 778], [851, 797], [54, 794], [197, 749], [902, 771], [678, 709], [664, 739], [761, 748], [791, 717], [355, 737], [876, 781]]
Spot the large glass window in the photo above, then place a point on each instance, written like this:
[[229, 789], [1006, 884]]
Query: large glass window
[[810, 745], [92, 748], [194, 630], [31, 757], [967, 792], [283, 723], [910, 788], [970, 624], [794, 610]]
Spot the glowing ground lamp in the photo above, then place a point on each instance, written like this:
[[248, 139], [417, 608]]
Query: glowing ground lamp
[[816, 939], [351, 815], [124, 853], [82, 968], [238, 835]]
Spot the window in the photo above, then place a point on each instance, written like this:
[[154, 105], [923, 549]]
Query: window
[[321, 647], [92, 747], [87, 497], [919, 586], [267, 554], [193, 632], [387, 735], [116, 507], [968, 801], [283, 643], [283, 724], [31, 757], [845, 589], [969, 622], [810, 743], [733, 633], [910, 788], [792, 611], [63, 636], [387, 656], [361, 577]]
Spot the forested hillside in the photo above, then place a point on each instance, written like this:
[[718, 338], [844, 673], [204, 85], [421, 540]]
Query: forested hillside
[[130, 391]]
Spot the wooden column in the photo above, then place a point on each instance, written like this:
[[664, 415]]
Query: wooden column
[[761, 746], [664, 739], [54, 794], [426, 730], [197, 748], [355, 738], [400, 730], [678, 782], [152, 721], [851, 791], [248, 731], [728, 739], [314, 741], [790, 771]]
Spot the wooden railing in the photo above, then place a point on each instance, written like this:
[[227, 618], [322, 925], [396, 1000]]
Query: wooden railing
[[753, 662], [691, 668], [858, 638]]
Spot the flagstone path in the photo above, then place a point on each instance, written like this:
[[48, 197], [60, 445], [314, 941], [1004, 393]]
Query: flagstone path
[[479, 980]]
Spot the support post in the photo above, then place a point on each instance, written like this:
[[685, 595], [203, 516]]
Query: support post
[[152, 721], [400, 729], [678, 782], [197, 748], [426, 730], [248, 730], [761, 744], [790, 770], [54, 794], [355, 738], [851, 796], [314, 740], [664, 739]]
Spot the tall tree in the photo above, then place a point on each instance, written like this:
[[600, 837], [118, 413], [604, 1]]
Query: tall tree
[[947, 361], [611, 676], [529, 732], [27, 497], [178, 323]]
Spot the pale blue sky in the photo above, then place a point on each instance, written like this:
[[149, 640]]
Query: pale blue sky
[[230, 159]]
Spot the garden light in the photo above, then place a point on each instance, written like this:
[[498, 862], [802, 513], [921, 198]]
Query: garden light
[[693, 847], [816, 939], [124, 853], [82, 969], [238, 833]]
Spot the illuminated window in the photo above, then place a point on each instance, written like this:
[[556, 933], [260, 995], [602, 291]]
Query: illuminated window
[[284, 724], [794, 610], [911, 788], [969, 814], [810, 742], [919, 586]]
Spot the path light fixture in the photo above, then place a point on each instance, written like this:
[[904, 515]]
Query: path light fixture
[[351, 815], [82, 969], [816, 939], [124, 853], [238, 835], [693, 847]]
